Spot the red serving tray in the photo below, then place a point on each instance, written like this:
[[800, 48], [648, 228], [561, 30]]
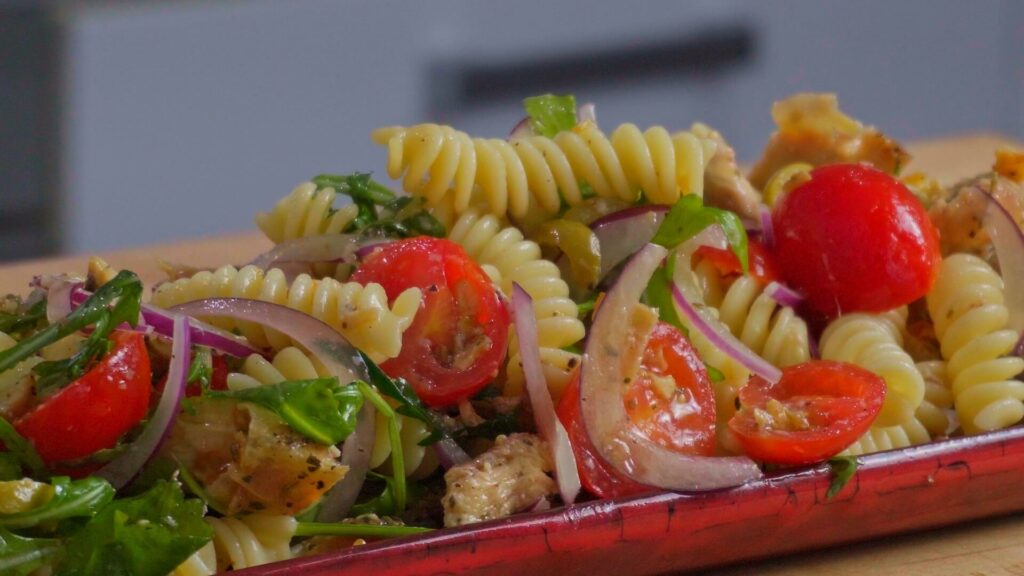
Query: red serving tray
[[893, 492]]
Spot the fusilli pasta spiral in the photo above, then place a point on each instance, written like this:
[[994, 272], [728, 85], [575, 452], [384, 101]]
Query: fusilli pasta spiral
[[511, 175], [242, 542], [306, 211], [967, 307], [360, 313], [874, 342], [507, 257]]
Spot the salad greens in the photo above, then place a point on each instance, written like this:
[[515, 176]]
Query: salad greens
[[21, 449], [409, 404], [17, 323], [689, 217], [397, 217], [550, 114], [843, 468], [69, 499], [20, 556]]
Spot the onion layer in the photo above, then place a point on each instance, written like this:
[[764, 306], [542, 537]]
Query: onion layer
[[1008, 241], [783, 294], [604, 414], [624, 232]]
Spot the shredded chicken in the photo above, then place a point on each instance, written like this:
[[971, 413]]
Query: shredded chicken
[[511, 476], [960, 216], [812, 129], [724, 183]]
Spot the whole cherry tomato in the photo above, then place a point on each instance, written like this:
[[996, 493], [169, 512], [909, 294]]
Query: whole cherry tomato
[[855, 239]]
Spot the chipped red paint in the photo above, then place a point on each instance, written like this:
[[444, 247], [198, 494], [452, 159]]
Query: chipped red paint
[[893, 492]]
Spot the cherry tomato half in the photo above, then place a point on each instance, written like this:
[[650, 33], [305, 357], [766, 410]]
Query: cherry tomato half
[[760, 262], [855, 239], [459, 338], [93, 412], [671, 402], [816, 410]]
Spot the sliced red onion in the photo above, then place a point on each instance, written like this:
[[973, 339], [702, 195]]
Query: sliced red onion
[[162, 322], [587, 112], [783, 294], [127, 465], [624, 232], [767, 227], [367, 249], [340, 359], [312, 250], [604, 413], [522, 129], [449, 453], [548, 424], [58, 299], [1008, 241]]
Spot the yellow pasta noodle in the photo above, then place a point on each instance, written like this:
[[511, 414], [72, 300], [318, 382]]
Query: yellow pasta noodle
[[242, 542], [306, 211], [360, 313]]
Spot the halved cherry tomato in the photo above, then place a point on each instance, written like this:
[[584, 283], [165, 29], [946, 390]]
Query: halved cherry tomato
[[218, 378], [671, 402], [93, 412], [816, 410], [459, 338], [761, 263], [855, 239]]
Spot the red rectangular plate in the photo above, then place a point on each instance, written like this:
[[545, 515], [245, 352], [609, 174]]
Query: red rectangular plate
[[893, 492]]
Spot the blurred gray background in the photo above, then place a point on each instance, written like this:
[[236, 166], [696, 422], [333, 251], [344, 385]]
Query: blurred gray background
[[126, 123]]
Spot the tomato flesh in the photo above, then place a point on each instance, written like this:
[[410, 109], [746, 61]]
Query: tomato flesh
[[93, 412], [670, 402], [760, 262], [459, 338], [817, 409], [855, 239]]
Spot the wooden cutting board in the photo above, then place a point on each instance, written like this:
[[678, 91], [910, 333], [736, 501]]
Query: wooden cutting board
[[986, 548]]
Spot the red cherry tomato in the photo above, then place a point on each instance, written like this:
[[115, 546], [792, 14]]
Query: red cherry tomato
[[93, 412], [855, 239], [218, 378], [459, 338], [760, 262], [816, 410], [671, 402]]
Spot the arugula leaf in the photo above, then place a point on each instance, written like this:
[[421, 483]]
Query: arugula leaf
[[406, 217], [550, 114], [71, 499], [147, 535], [843, 469], [19, 322], [398, 486], [114, 303], [386, 503], [658, 293], [714, 374], [20, 556], [689, 216], [587, 306], [10, 466], [366, 194], [201, 369], [21, 448], [322, 409], [409, 404]]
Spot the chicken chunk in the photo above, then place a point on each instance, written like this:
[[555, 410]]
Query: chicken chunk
[[510, 477], [724, 183], [960, 216], [812, 129]]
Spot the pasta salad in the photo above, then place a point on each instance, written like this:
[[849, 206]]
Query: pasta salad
[[561, 315]]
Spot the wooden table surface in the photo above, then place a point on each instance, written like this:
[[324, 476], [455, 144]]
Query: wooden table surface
[[986, 548]]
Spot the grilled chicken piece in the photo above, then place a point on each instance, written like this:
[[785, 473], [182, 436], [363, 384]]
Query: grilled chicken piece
[[812, 129], [248, 460], [959, 216], [724, 184], [510, 477]]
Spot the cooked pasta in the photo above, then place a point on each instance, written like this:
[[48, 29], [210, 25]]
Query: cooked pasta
[[242, 542], [507, 257], [419, 461], [360, 313], [16, 384], [967, 307], [306, 211], [874, 342], [288, 364], [773, 331], [511, 176]]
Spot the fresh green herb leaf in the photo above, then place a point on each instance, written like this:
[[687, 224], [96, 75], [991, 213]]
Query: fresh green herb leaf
[[200, 371], [550, 114], [114, 303], [17, 323], [55, 374], [689, 216], [358, 186], [20, 556], [398, 486], [21, 448], [715, 374], [409, 404], [147, 535], [658, 293], [71, 499], [587, 306], [587, 191], [385, 504], [356, 530], [322, 409], [404, 218], [10, 466], [843, 469]]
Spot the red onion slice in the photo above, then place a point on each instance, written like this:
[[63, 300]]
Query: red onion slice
[[604, 414], [1008, 241], [126, 466], [587, 112], [783, 294], [522, 129], [622, 233], [312, 249], [335, 353], [449, 453], [767, 227], [58, 299], [548, 425]]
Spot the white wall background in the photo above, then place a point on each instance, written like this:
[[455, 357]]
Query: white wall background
[[185, 118]]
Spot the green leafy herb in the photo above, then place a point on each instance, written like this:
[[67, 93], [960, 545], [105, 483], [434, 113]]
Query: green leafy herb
[[658, 293], [21, 448], [366, 194], [321, 409], [409, 404], [505, 423], [386, 503], [843, 469], [71, 499], [20, 556], [550, 114], [10, 466], [404, 218], [689, 216], [147, 535], [200, 371], [398, 487], [587, 306], [715, 374], [356, 530], [115, 302], [17, 323]]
